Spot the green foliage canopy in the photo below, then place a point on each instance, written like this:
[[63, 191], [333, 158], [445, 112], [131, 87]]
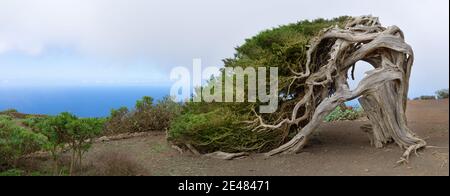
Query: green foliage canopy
[[219, 126]]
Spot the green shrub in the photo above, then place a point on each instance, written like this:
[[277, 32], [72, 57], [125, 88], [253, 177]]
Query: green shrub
[[13, 113], [339, 114], [9, 111], [16, 141], [220, 129], [81, 134], [146, 116], [32, 122], [66, 128], [5, 117], [442, 94], [166, 110], [46, 133], [20, 172], [12, 172], [118, 122], [220, 126], [427, 97]]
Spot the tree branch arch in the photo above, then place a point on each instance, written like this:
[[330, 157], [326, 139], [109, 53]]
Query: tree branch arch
[[382, 93]]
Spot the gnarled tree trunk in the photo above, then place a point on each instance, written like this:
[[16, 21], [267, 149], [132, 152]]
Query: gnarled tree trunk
[[382, 92]]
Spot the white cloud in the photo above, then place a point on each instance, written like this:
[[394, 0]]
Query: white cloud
[[171, 27], [171, 32]]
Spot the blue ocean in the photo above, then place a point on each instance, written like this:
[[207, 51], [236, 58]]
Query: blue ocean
[[81, 101]]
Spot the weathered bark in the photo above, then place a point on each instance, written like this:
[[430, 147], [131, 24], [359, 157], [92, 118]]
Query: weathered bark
[[226, 156], [382, 92]]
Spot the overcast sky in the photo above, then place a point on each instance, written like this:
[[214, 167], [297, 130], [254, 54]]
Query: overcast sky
[[131, 42]]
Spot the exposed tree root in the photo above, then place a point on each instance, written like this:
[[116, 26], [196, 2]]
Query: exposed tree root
[[180, 150], [192, 149], [226, 156], [293, 146], [413, 148]]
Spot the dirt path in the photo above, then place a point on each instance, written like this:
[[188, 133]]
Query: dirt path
[[339, 148]]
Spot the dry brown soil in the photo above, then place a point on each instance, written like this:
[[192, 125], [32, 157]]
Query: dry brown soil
[[339, 148]]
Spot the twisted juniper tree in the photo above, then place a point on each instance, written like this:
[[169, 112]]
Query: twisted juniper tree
[[382, 92], [315, 60]]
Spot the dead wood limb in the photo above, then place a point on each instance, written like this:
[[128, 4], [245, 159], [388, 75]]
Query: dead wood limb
[[226, 156]]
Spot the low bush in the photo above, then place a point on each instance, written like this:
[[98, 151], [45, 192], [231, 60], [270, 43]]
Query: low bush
[[117, 164], [8, 111], [16, 141], [347, 113], [13, 113], [146, 116], [19, 137], [77, 133], [442, 94], [32, 122], [12, 172], [118, 121], [5, 117], [426, 97], [221, 129]]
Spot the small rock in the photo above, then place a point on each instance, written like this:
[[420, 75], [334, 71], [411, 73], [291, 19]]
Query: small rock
[[366, 170]]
